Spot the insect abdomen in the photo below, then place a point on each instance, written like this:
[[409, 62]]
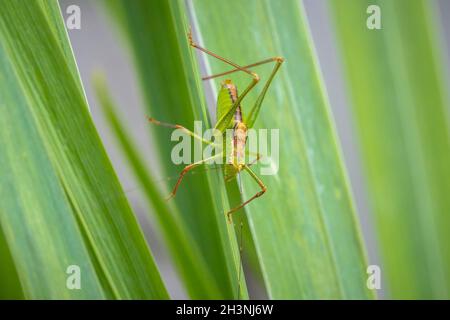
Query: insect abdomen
[[239, 141]]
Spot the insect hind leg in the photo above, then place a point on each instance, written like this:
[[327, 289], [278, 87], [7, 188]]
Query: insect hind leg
[[257, 195]]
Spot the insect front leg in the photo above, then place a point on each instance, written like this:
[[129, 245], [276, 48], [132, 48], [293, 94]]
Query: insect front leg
[[273, 59], [253, 115], [257, 156], [222, 123], [177, 126], [231, 63]]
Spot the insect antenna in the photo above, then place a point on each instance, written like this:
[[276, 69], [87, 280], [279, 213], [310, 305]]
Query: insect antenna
[[241, 226], [240, 259]]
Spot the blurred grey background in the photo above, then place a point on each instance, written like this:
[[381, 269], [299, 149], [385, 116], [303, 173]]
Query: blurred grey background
[[98, 46]]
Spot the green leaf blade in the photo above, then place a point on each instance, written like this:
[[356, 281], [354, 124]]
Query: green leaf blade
[[401, 113], [173, 93], [191, 266], [27, 214], [72, 181], [304, 227]]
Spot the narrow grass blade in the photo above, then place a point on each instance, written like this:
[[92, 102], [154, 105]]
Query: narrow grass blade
[[191, 265], [157, 32], [304, 227], [401, 112], [55, 175]]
